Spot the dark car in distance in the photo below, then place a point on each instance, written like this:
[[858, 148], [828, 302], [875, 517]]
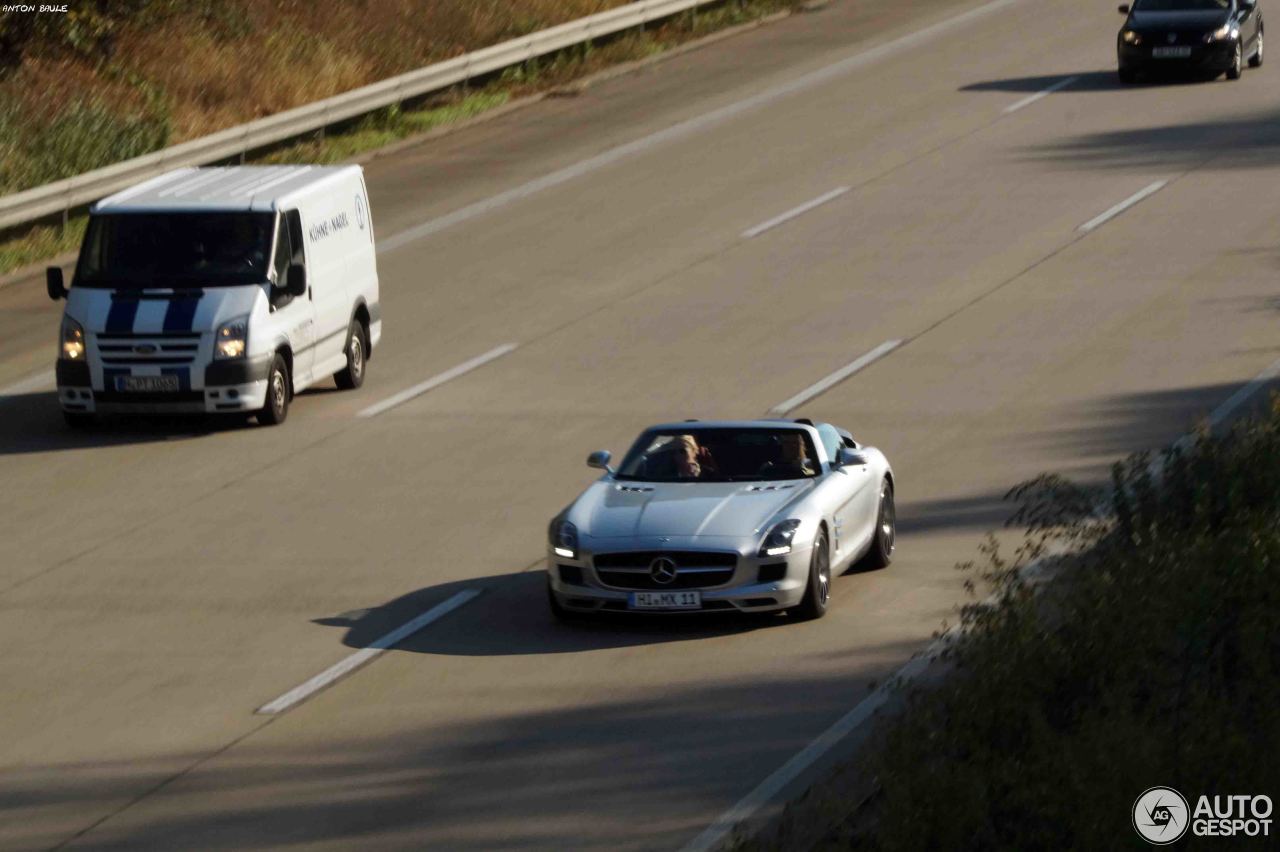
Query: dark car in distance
[[1213, 36]]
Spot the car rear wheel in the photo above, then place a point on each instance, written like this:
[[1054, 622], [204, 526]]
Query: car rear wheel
[[357, 349], [1237, 64], [818, 591], [276, 407], [886, 536], [1255, 61]]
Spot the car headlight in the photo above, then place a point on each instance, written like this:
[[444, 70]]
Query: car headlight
[[564, 539], [1131, 37], [232, 339], [72, 340], [1222, 33], [778, 541]]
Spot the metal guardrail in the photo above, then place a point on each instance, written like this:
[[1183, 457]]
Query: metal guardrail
[[61, 196]]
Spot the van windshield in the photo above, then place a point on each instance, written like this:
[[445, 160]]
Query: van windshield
[[175, 250]]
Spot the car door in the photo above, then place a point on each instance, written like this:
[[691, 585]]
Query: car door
[[293, 315], [849, 484]]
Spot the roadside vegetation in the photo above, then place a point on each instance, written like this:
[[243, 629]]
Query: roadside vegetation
[[1150, 656], [118, 79]]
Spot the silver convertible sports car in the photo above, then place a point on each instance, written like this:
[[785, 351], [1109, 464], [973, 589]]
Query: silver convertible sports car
[[700, 516]]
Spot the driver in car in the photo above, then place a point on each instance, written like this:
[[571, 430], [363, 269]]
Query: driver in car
[[691, 458]]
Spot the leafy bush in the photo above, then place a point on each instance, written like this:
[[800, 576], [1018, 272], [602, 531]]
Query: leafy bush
[[1151, 658], [82, 136]]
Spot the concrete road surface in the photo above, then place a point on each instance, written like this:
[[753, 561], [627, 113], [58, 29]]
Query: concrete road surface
[[159, 581]]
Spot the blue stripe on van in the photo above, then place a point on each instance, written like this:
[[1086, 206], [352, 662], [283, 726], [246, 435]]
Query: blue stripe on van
[[181, 312], [183, 374], [122, 314]]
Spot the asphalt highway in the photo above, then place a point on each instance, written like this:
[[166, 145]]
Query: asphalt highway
[[161, 581]]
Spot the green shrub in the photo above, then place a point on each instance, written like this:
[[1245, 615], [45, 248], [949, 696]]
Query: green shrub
[[1153, 658], [84, 135]]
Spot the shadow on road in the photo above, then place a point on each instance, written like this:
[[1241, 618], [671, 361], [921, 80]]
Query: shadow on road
[[32, 423], [511, 617], [1086, 81]]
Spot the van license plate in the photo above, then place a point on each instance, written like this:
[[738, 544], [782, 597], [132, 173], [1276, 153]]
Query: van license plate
[[665, 600], [147, 384]]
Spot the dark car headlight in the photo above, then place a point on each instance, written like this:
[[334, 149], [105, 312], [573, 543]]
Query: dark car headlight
[[778, 541], [1131, 37], [1222, 33], [564, 539]]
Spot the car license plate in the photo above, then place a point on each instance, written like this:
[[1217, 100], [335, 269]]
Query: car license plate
[[665, 600], [147, 384], [1170, 52]]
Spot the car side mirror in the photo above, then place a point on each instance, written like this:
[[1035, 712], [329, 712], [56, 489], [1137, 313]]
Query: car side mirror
[[849, 457], [54, 284], [600, 459], [1124, 8], [296, 280]]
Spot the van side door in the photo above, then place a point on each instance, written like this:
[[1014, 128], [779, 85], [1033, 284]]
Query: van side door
[[293, 316]]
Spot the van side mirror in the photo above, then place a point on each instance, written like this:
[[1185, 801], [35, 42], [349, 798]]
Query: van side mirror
[[54, 284], [600, 459], [296, 280], [1123, 8], [849, 457]]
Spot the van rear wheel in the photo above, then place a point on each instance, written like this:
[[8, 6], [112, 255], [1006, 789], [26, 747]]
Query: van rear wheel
[[276, 407], [357, 349]]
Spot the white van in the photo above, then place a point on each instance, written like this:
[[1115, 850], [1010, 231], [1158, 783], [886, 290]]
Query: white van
[[220, 290]]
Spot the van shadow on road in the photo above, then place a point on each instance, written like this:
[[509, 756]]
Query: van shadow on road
[[511, 616], [32, 423]]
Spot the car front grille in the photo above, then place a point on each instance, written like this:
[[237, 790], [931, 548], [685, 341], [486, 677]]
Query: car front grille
[[694, 569], [157, 349]]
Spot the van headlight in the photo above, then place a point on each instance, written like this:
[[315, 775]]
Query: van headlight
[[778, 541], [232, 339], [564, 539], [72, 340]]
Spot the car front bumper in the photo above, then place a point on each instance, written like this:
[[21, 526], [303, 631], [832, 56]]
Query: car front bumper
[[1217, 56], [230, 387], [580, 588]]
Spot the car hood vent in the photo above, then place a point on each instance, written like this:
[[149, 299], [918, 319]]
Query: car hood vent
[[634, 489], [769, 487]]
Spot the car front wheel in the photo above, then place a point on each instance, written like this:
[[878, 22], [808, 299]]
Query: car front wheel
[[1237, 64], [818, 591]]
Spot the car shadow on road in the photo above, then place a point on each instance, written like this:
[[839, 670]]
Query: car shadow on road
[[32, 423], [1085, 81], [511, 617]]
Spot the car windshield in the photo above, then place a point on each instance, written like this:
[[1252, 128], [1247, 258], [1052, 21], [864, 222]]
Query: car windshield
[[720, 455], [1181, 5], [175, 250]]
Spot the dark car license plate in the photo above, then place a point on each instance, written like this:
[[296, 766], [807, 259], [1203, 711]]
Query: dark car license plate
[[147, 384]]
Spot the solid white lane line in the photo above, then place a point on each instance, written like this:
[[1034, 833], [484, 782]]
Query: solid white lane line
[[1237, 399], [1043, 93], [888, 50], [38, 382], [358, 659], [794, 212], [1113, 212], [747, 806], [436, 381], [835, 378]]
